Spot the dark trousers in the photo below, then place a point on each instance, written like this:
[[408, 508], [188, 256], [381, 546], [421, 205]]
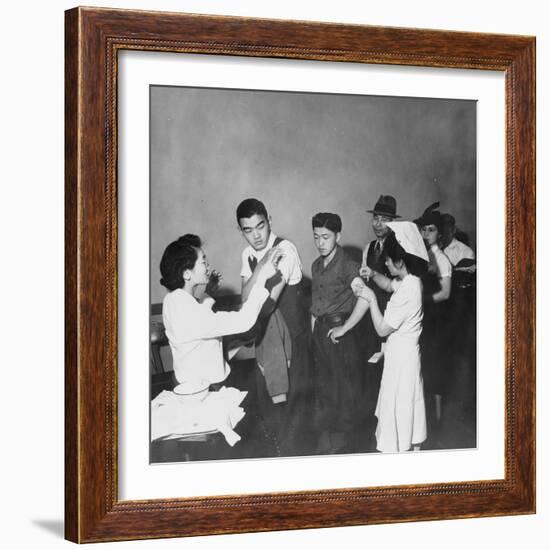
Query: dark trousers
[[462, 322], [337, 385], [436, 349], [289, 425]]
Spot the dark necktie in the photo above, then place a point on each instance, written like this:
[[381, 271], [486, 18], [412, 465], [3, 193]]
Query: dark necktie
[[252, 263], [377, 249]]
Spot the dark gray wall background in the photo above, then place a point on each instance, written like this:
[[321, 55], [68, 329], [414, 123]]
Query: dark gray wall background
[[301, 153]]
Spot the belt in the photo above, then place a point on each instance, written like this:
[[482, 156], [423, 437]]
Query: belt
[[333, 319]]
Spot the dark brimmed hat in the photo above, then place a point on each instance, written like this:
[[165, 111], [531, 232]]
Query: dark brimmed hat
[[385, 206], [430, 216]]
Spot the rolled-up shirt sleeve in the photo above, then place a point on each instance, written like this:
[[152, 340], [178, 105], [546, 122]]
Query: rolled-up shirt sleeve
[[290, 265], [444, 266], [351, 271], [200, 322]]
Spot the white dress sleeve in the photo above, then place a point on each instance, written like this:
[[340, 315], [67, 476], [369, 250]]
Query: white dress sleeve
[[398, 308]]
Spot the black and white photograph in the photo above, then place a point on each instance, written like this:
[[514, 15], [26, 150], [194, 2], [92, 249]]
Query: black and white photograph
[[312, 274], [227, 234]]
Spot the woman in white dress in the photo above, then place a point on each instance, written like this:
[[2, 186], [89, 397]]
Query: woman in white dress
[[400, 408]]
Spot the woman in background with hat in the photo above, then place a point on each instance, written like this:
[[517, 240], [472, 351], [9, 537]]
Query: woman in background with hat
[[437, 291], [400, 407]]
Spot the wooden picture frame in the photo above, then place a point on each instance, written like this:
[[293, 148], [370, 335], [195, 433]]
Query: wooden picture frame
[[93, 511]]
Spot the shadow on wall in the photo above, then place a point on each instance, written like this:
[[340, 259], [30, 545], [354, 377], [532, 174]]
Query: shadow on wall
[[354, 252], [301, 153]]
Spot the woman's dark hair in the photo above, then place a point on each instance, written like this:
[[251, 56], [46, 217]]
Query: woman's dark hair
[[178, 256], [328, 220], [393, 250], [431, 216], [249, 208]]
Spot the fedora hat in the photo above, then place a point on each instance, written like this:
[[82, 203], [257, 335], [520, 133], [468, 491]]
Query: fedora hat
[[385, 206], [430, 216]]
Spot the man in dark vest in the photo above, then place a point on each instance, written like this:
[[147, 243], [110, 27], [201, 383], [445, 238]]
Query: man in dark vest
[[385, 210], [281, 334]]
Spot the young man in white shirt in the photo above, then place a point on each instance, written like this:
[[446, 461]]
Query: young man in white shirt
[[284, 410], [454, 249]]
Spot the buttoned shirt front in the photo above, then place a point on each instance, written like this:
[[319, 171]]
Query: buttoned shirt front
[[331, 290]]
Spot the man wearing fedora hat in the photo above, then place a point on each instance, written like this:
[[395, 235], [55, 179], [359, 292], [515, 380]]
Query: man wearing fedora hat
[[384, 211]]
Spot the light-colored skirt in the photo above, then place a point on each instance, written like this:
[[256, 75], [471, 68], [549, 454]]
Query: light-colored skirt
[[400, 409]]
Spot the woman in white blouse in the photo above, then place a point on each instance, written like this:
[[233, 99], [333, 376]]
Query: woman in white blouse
[[400, 407], [194, 331]]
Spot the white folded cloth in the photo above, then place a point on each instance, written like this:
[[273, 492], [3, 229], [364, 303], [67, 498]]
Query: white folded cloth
[[174, 415]]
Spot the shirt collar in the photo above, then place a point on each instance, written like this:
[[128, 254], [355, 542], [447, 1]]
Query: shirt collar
[[339, 253], [382, 242]]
